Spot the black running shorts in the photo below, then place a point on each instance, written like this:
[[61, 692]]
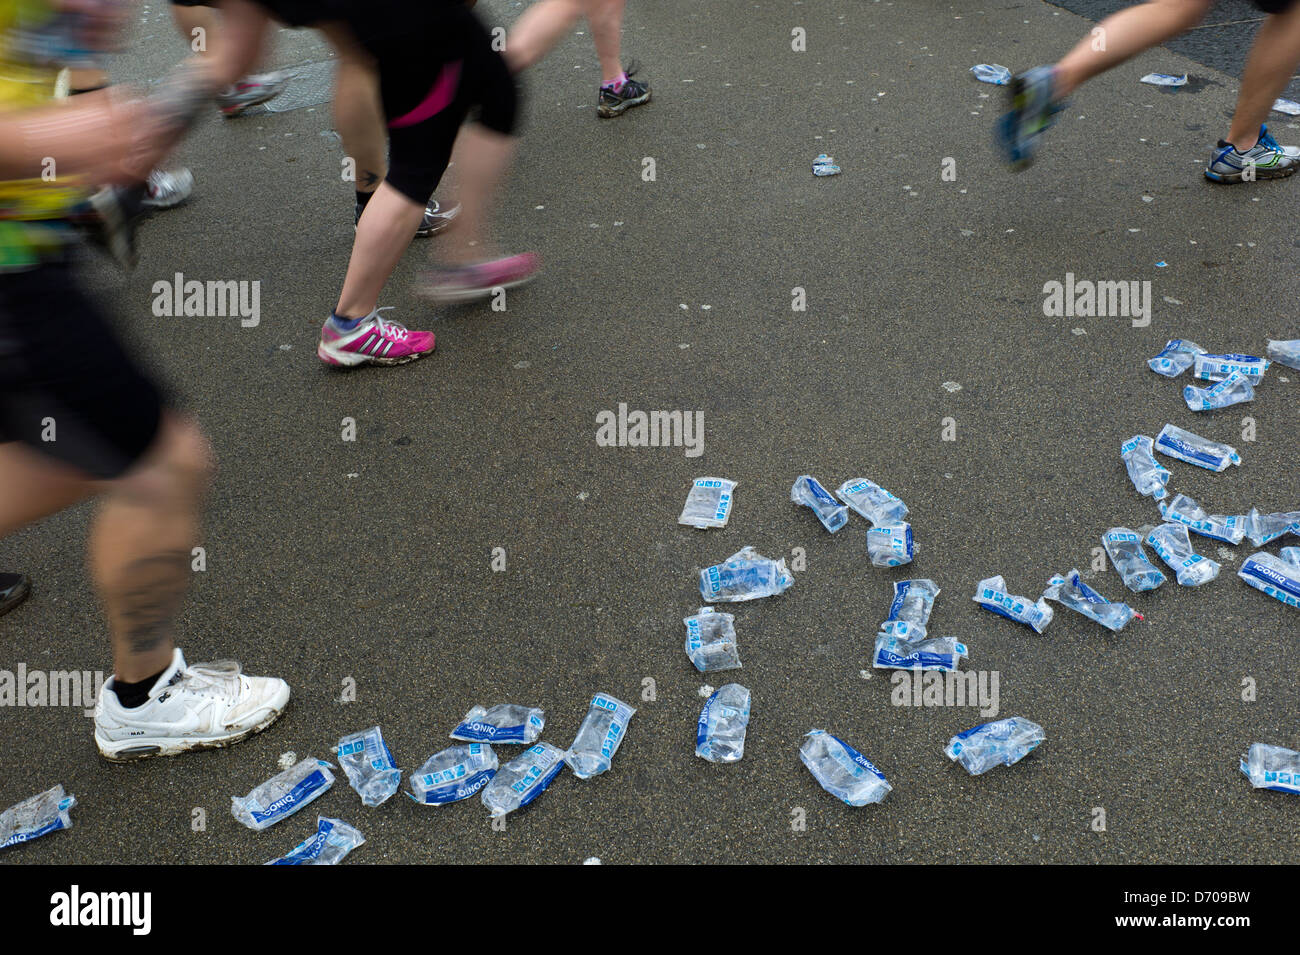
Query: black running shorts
[[1275, 6]]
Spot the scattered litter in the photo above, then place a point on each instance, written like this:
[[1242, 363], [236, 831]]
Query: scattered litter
[[1184, 510], [991, 594], [1233, 390], [1162, 264], [991, 73], [913, 601], [504, 723], [1124, 548], [720, 732], [1001, 743], [1291, 555], [709, 503], [334, 839], [705, 691], [745, 575], [1164, 79], [901, 645], [891, 544], [369, 765], [287, 759], [282, 795], [951, 386], [711, 640], [1285, 353], [1174, 547], [841, 770], [872, 501], [1219, 367], [1287, 106], [523, 779], [593, 860], [599, 736], [1079, 597], [1272, 767], [808, 491], [1185, 446], [824, 165], [1262, 529], [1148, 475], [1278, 578], [35, 817], [1078, 331], [453, 774]]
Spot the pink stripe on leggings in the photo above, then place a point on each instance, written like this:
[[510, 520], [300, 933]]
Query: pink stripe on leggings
[[439, 98]]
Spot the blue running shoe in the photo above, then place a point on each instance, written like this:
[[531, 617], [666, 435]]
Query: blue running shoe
[[1264, 160], [1033, 108]]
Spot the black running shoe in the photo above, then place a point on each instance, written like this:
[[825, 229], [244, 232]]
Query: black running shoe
[[436, 218], [633, 93], [14, 589]]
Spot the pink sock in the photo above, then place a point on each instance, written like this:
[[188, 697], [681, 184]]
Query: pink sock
[[617, 84]]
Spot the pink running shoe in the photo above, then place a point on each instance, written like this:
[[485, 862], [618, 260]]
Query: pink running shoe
[[374, 341], [465, 283]]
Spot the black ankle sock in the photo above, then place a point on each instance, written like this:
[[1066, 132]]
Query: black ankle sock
[[132, 695]]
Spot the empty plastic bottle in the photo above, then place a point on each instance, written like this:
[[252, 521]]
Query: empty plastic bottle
[[503, 723], [1148, 475], [711, 640], [1192, 448], [824, 165], [1285, 352], [1233, 390], [913, 601], [599, 736], [1124, 547], [1263, 528], [523, 779], [369, 766], [283, 794], [1218, 367], [455, 773], [991, 594], [991, 73], [1278, 578], [872, 501], [35, 817], [720, 731], [905, 646], [1164, 79], [1290, 555], [1079, 597], [709, 503], [841, 770], [1177, 356], [890, 545], [1184, 510], [1171, 542], [1001, 743], [333, 840], [1272, 767], [745, 575], [808, 491]]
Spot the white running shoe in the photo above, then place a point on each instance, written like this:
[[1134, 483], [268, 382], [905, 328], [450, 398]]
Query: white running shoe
[[165, 188], [203, 706]]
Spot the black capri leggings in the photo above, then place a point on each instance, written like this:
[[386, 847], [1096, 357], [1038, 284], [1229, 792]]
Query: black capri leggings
[[427, 98]]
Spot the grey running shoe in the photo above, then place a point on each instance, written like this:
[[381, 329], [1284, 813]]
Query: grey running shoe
[[251, 91], [631, 93], [1261, 161], [166, 188]]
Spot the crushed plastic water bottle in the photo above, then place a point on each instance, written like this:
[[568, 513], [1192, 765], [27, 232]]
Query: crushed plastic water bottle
[[1164, 79], [991, 73], [1285, 352], [283, 794], [808, 491], [1220, 527], [1218, 367], [872, 501], [1124, 547], [599, 736], [1272, 575], [991, 594], [369, 765], [824, 165], [1192, 448], [890, 545], [1148, 475], [745, 575], [1178, 355], [720, 732], [1233, 390], [334, 839], [1079, 597], [709, 503], [1291, 555], [1001, 743], [523, 779], [913, 601], [841, 770], [1263, 528], [1171, 542], [455, 773], [35, 817], [1272, 767], [503, 723], [711, 640], [1288, 106], [904, 646]]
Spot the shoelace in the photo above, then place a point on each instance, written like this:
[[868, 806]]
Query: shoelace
[[394, 330], [219, 678], [1269, 142]]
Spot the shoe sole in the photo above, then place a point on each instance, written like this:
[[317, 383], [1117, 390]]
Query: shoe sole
[[609, 112], [17, 597], [1259, 175], [230, 112], [470, 295], [137, 750], [351, 359]]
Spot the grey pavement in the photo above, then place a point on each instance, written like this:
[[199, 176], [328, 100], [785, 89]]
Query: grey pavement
[[330, 562]]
